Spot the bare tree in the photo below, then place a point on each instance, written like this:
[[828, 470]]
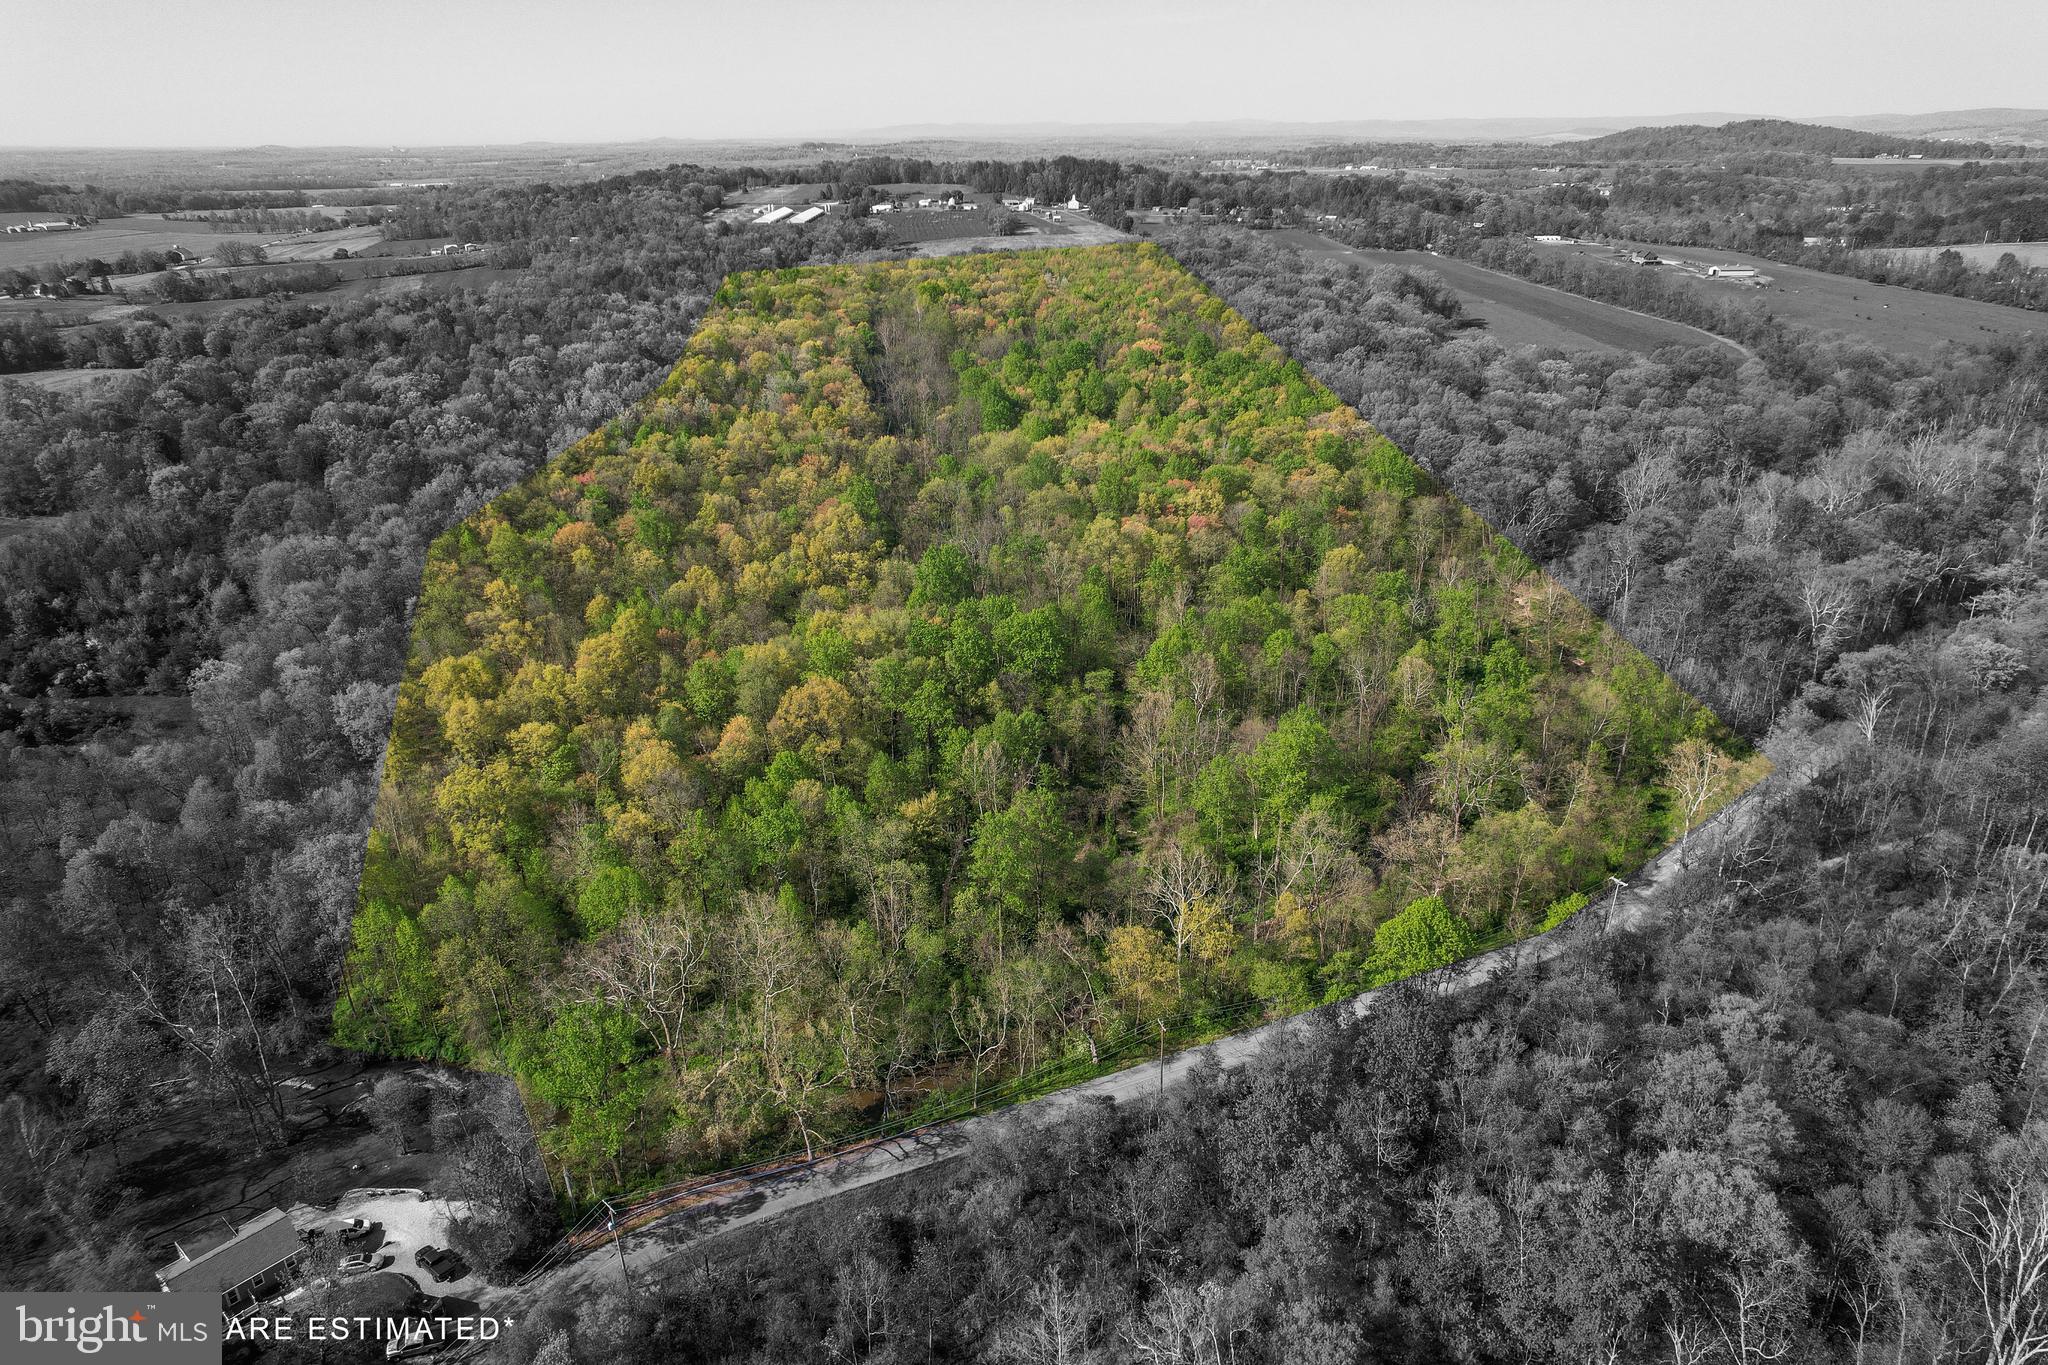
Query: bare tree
[[1054, 1331], [1694, 771], [1180, 877], [1142, 755], [2000, 1242], [652, 967], [1828, 598]]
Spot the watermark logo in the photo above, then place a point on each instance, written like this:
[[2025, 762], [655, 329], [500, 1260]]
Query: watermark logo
[[163, 1329]]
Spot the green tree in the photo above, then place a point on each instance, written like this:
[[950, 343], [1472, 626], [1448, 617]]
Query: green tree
[[587, 1066], [1017, 869], [1423, 936]]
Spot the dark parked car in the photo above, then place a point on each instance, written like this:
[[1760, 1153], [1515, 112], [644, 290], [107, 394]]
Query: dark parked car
[[440, 1263]]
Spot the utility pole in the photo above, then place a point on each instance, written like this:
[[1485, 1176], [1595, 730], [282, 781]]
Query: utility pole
[[611, 1223], [1613, 895]]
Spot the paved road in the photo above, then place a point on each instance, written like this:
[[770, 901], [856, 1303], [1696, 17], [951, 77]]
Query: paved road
[[745, 1204]]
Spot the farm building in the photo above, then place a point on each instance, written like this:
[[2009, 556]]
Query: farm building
[[811, 214], [258, 1262], [1732, 272], [776, 215]]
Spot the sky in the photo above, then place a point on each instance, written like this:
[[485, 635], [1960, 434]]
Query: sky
[[297, 72]]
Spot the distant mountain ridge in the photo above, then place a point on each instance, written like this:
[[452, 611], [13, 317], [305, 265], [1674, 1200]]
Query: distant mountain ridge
[[1390, 130], [1751, 137], [2028, 126], [1992, 126]]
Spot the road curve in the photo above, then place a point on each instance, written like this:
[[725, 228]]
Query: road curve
[[747, 1203]]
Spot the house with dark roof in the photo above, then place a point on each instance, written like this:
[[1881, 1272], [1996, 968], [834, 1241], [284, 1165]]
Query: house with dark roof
[[260, 1261]]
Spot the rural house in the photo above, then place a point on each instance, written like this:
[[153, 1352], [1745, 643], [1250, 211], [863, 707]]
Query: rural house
[[258, 1262]]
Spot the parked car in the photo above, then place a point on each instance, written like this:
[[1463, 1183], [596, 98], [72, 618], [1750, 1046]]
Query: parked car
[[440, 1262], [417, 1339], [363, 1262], [355, 1229]]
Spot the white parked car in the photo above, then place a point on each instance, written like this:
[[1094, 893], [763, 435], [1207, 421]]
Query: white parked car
[[415, 1339]]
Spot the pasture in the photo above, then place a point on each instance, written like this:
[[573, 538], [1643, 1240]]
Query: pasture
[[1515, 311], [933, 225], [10, 527], [110, 237], [93, 308], [1910, 321], [1982, 255], [1899, 163], [61, 381], [1076, 230], [794, 195]]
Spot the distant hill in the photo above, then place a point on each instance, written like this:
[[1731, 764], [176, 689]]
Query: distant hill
[[1752, 137], [2028, 127], [1521, 129]]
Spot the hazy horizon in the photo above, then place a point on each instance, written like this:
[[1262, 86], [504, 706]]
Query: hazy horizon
[[239, 73]]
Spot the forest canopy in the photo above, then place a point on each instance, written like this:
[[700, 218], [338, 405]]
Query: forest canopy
[[952, 664]]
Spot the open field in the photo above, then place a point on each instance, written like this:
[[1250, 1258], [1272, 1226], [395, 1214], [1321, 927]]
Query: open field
[[1899, 163], [56, 312], [91, 308], [1075, 231], [10, 527], [934, 225], [1906, 320], [321, 246], [776, 194], [1516, 312], [1982, 255], [152, 232], [439, 282], [59, 381], [110, 238], [365, 266]]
